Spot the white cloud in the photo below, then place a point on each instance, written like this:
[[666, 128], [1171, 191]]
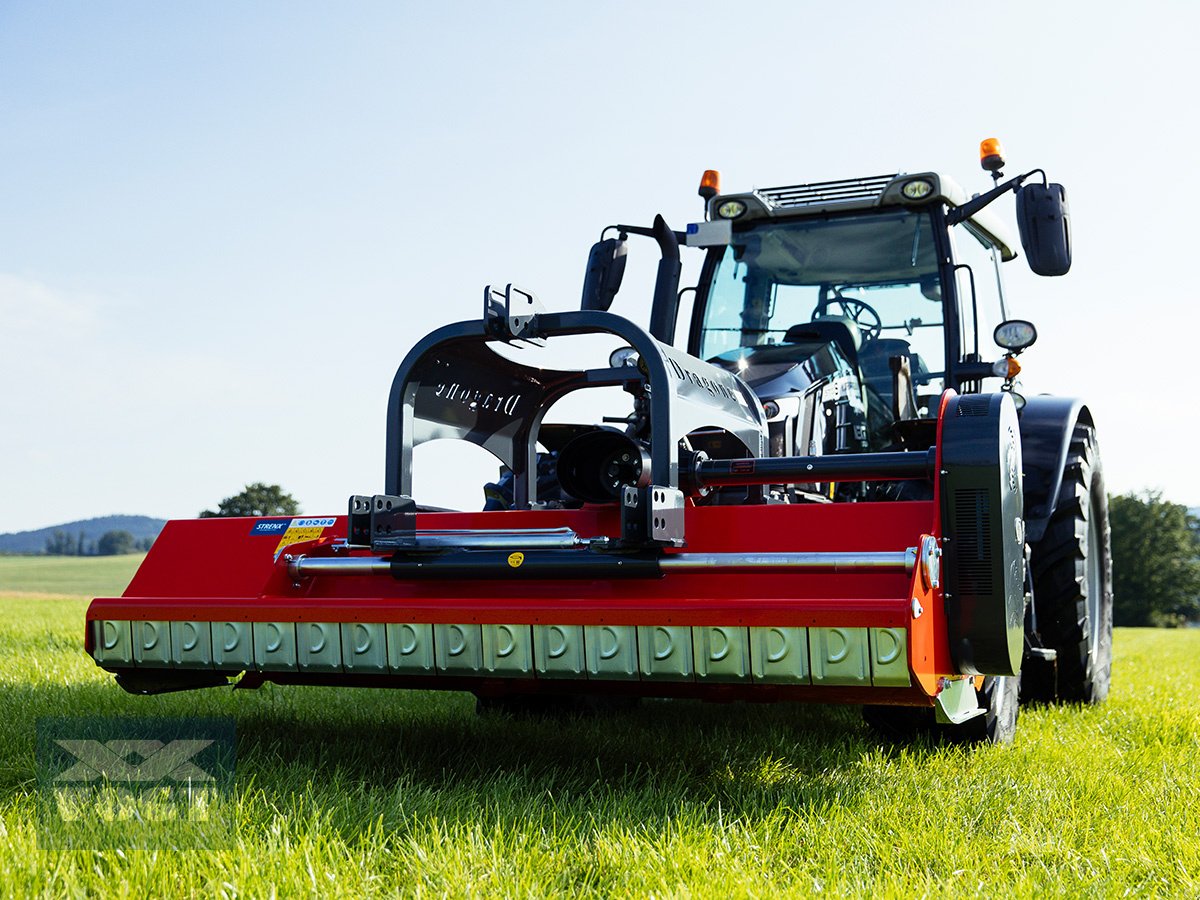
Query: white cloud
[[27, 305]]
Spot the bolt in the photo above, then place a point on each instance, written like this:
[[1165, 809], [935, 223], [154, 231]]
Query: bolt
[[917, 609]]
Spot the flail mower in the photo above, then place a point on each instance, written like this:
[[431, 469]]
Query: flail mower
[[816, 501]]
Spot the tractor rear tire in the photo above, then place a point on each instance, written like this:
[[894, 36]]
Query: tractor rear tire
[[1072, 582]]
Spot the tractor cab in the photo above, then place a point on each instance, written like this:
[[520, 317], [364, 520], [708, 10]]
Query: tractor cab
[[870, 271], [863, 288]]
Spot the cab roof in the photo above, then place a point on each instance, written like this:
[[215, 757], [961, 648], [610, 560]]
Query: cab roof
[[870, 192]]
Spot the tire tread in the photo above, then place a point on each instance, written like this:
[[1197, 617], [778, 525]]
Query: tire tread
[[1059, 567]]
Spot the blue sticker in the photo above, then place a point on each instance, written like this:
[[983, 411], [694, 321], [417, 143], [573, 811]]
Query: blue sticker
[[271, 526], [326, 522]]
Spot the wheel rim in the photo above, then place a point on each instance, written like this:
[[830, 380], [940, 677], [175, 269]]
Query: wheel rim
[[1094, 586]]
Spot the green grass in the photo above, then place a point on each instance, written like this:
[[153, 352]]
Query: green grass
[[92, 576], [356, 792]]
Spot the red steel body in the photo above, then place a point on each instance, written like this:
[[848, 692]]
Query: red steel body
[[214, 569]]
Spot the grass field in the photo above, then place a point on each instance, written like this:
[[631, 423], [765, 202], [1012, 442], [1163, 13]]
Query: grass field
[[73, 576], [368, 793]]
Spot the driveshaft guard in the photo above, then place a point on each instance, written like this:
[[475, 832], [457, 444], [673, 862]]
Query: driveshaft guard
[[983, 518]]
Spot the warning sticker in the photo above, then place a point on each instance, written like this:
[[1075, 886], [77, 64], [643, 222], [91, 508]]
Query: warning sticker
[[303, 530], [292, 531]]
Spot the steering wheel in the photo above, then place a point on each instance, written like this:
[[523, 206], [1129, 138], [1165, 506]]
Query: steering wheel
[[861, 312]]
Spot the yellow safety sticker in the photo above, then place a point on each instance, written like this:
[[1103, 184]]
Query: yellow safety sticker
[[303, 530], [515, 559]]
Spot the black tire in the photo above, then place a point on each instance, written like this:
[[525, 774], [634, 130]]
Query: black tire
[[999, 698], [1072, 583]]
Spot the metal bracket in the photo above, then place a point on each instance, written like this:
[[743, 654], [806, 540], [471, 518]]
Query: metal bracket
[[652, 515], [358, 526], [931, 560], [382, 522], [957, 702], [512, 315]]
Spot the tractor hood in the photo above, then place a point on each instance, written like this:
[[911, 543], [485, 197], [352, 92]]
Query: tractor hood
[[777, 370]]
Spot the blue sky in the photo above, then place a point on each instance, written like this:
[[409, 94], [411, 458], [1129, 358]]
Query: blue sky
[[222, 225]]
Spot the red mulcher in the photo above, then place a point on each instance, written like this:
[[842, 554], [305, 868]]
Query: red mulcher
[[908, 560]]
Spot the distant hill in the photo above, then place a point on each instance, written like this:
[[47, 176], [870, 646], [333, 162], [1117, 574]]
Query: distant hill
[[141, 527]]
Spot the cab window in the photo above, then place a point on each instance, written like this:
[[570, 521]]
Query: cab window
[[876, 273]]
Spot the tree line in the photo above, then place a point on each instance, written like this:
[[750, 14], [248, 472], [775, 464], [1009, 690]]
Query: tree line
[[111, 543], [257, 499], [1156, 561]]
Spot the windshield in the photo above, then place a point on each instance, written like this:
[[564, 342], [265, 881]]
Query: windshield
[[878, 273]]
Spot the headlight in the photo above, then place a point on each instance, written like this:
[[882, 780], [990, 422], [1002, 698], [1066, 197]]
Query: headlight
[[1015, 334], [731, 209], [917, 189]]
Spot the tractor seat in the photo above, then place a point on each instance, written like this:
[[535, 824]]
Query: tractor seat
[[877, 368], [840, 330]]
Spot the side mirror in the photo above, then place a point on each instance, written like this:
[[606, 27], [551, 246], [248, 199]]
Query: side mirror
[[605, 269], [1043, 219]]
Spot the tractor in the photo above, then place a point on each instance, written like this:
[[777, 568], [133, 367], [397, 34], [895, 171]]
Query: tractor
[[823, 488]]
